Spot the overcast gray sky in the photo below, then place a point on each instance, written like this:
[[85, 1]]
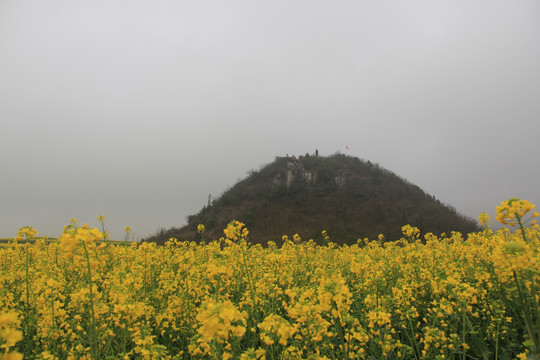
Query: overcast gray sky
[[138, 110]]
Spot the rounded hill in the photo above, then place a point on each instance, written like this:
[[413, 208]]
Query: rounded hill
[[349, 198]]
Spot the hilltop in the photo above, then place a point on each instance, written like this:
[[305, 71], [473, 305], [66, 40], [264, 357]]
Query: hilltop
[[348, 197]]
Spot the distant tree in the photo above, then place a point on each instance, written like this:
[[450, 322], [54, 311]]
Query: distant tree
[[212, 222], [316, 153]]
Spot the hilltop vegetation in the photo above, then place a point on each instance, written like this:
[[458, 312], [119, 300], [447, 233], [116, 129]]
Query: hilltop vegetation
[[350, 198]]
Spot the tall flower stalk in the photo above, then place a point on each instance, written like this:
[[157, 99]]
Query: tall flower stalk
[[27, 233], [72, 237], [508, 213]]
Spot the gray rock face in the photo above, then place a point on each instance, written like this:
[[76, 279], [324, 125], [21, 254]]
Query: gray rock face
[[295, 172]]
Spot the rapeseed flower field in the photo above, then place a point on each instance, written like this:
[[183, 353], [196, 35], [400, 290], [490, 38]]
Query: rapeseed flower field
[[451, 296]]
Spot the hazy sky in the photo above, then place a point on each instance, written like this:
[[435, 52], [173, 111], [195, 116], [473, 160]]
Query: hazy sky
[[138, 110]]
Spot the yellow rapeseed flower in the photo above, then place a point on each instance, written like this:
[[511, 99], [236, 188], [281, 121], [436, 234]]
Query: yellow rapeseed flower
[[200, 228], [26, 232], [410, 231], [274, 328], [484, 219], [235, 230], [10, 335], [513, 209]]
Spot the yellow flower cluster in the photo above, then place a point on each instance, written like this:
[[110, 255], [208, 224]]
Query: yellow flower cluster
[[235, 231], [200, 228], [514, 209], [73, 236], [325, 235], [484, 219], [334, 295], [378, 318], [512, 253], [26, 232], [218, 324], [410, 232], [275, 329], [10, 335]]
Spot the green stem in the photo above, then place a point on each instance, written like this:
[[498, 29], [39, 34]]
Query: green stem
[[93, 346], [526, 315], [145, 295], [412, 338], [522, 228], [248, 274], [497, 342], [534, 291], [28, 317], [53, 326], [188, 301], [463, 330]]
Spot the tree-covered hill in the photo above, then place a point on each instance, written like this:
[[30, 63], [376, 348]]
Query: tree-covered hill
[[349, 198]]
